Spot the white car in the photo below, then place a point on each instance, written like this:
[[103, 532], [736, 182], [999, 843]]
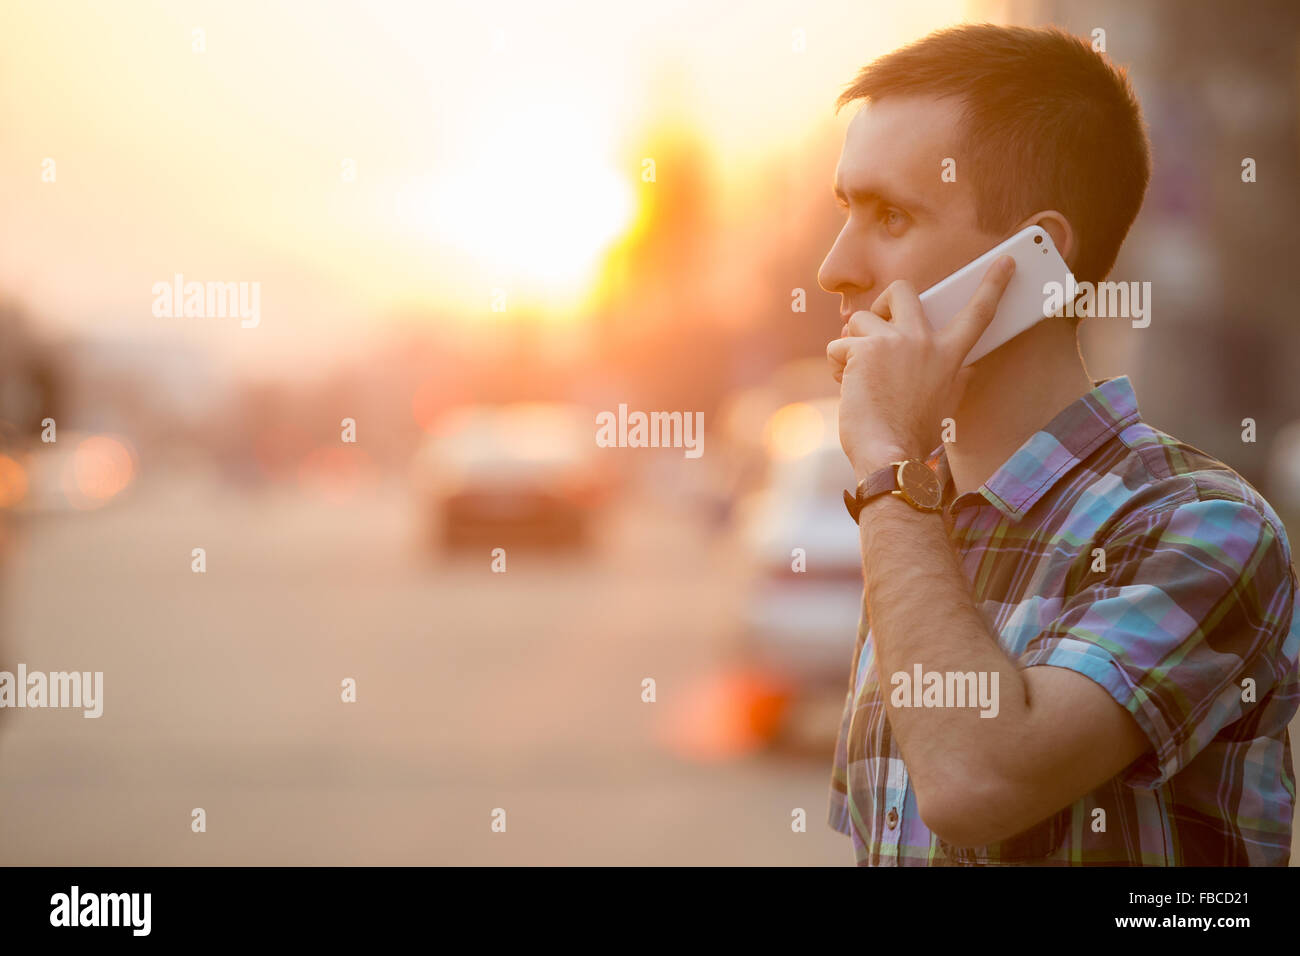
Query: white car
[[804, 603]]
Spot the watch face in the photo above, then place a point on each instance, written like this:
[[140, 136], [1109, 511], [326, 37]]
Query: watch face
[[919, 483]]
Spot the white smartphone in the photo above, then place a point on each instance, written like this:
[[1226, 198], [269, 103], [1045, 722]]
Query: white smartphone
[[1026, 301]]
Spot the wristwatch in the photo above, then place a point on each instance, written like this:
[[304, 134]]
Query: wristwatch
[[912, 480]]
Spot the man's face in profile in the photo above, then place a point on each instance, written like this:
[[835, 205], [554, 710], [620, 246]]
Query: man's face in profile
[[904, 221]]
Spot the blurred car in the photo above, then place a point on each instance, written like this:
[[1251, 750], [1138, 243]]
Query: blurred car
[[523, 473], [800, 626]]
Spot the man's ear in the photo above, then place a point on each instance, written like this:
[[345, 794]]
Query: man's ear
[[1058, 227]]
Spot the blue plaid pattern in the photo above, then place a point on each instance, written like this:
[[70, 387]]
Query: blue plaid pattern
[[1190, 627]]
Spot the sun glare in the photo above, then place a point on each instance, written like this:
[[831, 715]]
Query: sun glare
[[536, 202]]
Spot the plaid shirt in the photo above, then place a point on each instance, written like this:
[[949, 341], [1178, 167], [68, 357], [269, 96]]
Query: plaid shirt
[[1196, 597]]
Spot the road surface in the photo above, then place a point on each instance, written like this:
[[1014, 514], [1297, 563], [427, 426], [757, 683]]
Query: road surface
[[475, 691]]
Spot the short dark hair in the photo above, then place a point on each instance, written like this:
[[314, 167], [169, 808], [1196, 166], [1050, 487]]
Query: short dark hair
[[1047, 123]]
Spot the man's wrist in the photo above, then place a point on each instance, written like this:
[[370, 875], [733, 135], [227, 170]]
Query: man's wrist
[[877, 459]]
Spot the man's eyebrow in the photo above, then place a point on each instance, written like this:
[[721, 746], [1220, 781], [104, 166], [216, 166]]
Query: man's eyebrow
[[870, 195]]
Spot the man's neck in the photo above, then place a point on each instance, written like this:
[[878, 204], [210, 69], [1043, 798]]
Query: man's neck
[[1014, 391]]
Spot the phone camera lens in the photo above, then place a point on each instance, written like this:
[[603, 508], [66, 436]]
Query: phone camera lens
[[1038, 240]]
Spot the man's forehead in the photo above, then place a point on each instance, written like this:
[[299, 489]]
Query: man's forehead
[[901, 140]]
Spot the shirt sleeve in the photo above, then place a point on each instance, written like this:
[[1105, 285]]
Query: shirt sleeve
[[1194, 599]]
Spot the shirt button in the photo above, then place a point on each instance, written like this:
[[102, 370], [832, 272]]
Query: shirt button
[[892, 818]]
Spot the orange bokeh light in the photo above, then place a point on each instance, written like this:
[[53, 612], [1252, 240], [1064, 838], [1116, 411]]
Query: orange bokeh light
[[102, 467], [13, 482], [728, 715]]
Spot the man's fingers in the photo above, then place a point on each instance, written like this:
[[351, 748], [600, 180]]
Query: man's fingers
[[864, 323], [900, 304], [969, 324], [837, 353]]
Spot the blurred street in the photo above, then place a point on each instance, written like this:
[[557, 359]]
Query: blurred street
[[366, 312], [475, 690]]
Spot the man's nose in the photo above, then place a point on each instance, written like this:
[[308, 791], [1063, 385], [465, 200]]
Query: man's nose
[[841, 271]]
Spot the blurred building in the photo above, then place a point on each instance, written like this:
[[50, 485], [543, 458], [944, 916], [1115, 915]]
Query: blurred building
[[1218, 85]]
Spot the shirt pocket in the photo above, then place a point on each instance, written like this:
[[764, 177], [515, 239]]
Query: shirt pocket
[[1031, 846]]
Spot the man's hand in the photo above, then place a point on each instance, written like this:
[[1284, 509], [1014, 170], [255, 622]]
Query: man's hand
[[898, 377]]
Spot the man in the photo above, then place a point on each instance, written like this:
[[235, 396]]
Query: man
[[1126, 598]]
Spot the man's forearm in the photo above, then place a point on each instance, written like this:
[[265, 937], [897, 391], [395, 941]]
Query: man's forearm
[[922, 613]]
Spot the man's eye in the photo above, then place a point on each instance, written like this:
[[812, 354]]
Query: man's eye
[[892, 218]]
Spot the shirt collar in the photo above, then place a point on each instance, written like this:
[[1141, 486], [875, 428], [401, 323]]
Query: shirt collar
[[1052, 451]]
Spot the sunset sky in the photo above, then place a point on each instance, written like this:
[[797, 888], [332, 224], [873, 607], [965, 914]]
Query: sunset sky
[[495, 146]]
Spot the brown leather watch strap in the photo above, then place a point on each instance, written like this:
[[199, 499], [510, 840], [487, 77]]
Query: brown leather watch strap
[[879, 482]]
